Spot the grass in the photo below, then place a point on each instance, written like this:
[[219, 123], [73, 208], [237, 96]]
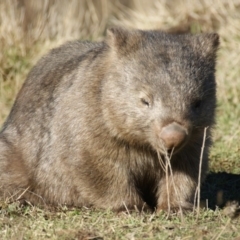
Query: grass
[[34, 223], [28, 29]]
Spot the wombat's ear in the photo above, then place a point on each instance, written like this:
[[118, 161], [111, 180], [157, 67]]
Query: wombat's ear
[[208, 44], [123, 40]]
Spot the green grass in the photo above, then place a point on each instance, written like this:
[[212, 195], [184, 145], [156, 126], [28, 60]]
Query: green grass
[[35, 223], [225, 154]]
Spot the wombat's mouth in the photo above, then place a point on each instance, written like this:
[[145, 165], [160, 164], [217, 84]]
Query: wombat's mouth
[[174, 150], [160, 148]]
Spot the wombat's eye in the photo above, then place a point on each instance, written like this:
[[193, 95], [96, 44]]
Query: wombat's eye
[[145, 102]]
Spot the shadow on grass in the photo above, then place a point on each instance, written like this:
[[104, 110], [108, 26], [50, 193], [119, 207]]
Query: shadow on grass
[[220, 188]]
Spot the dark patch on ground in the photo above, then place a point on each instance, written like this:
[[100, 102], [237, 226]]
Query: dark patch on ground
[[220, 188]]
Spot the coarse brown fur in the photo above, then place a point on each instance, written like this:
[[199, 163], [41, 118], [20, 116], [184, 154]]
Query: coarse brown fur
[[89, 125]]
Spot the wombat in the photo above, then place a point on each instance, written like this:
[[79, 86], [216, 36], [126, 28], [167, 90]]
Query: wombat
[[113, 124]]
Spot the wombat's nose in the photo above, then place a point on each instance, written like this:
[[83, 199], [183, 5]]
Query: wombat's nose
[[173, 135]]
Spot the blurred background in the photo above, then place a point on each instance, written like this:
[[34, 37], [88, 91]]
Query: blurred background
[[29, 28]]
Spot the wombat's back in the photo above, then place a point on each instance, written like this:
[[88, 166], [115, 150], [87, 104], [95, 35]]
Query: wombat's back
[[45, 116], [46, 84]]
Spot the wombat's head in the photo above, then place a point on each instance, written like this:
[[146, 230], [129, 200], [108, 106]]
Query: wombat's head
[[160, 88]]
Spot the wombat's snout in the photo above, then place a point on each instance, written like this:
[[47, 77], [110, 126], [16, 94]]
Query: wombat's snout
[[173, 135]]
